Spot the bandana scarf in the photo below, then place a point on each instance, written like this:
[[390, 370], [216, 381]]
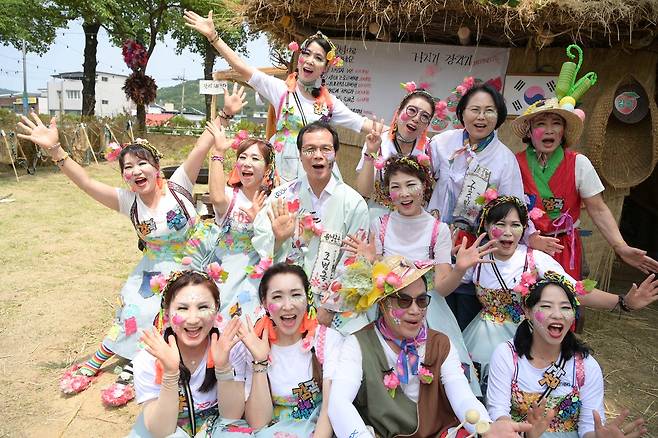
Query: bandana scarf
[[408, 356]]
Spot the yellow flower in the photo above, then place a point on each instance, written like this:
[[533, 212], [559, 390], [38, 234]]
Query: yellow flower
[[331, 55]]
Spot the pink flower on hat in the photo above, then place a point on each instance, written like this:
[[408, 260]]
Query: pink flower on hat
[[293, 46], [394, 280]]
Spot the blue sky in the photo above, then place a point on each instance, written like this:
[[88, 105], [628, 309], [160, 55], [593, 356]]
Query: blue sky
[[66, 54]]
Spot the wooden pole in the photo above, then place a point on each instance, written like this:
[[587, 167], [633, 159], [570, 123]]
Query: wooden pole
[[84, 132], [4, 136]]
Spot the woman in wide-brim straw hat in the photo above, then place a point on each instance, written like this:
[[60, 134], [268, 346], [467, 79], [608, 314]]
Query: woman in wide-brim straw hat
[[557, 179], [397, 376]]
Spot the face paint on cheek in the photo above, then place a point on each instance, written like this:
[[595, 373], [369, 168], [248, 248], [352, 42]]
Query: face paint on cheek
[[517, 231], [568, 314], [537, 134], [394, 313], [395, 195], [496, 232], [404, 117], [273, 308], [177, 319], [539, 316], [331, 157]]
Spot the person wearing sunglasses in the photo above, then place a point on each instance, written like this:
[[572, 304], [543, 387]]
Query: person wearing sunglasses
[[412, 232], [469, 162], [398, 377], [407, 136]]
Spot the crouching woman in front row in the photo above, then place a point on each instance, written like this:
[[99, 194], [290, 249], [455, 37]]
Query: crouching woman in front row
[[186, 379], [397, 376]]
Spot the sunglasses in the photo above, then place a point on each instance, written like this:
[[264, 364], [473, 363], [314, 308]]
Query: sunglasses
[[405, 301], [424, 116]]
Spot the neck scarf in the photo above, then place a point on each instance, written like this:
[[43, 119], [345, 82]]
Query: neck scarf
[[408, 357], [471, 149]]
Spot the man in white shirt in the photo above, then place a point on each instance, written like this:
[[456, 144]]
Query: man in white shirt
[[305, 220]]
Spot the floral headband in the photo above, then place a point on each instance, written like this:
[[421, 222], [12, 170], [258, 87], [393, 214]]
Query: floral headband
[[495, 202], [411, 88], [550, 277], [113, 149], [334, 61], [271, 177], [421, 162]]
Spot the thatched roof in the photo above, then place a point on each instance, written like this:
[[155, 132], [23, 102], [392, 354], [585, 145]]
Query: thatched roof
[[541, 22]]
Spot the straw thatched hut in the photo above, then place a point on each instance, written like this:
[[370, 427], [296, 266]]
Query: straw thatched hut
[[619, 37]]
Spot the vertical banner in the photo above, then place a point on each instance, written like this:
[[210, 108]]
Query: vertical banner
[[369, 81]]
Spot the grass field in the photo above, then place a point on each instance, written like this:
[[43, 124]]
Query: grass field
[[63, 259]]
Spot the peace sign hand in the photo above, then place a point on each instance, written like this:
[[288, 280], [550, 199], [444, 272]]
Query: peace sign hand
[[614, 428], [470, 256], [258, 347], [234, 102], [205, 26], [540, 418], [256, 205], [374, 138], [36, 132], [220, 347], [166, 353]]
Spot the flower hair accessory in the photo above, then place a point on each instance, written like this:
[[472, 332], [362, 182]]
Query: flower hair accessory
[[412, 88], [484, 214], [113, 149], [335, 61], [241, 136], [362, 284], [581, 288]]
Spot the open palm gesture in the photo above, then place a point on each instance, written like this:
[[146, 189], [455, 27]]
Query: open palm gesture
[[283, 222], [470, 256], [258, 347], [645, 294], [363, 245], [166, 352], [256, 205], [38, 133], [220, 346], [205, 26], [235, 101]]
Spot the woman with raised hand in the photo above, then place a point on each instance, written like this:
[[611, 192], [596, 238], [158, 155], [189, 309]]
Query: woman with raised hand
[[292, 360], [236, 205], [170, 231], [298, 100], [191, 374], [546, 374], [512, 269], [407, 136]]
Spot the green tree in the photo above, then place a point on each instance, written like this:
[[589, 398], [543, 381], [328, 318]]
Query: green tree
[[235, 36], [32, 21]]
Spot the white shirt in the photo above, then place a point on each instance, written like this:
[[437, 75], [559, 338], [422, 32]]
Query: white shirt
[[344, 417], [505, 172], [588, 182], [501, 373], [411, 236], [319, 202]]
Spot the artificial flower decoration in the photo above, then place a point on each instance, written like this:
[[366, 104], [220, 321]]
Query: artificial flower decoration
[[158, 283], [112, 151], [423, 159], [363, 284], [186, 261], [528, 278], [293, 46], [293, 206], [278, 146], [410, 87], [310, 226], [440, 110], [241, 136], [338, 62], [216, 272], [489, 195], [425, 375], [391, 382], [258, 270], [380, 163], [583, 287], [331, 55], [535, 213]]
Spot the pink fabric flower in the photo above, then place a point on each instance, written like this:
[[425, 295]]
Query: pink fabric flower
[[293, 46], [425, 375], [468, 82], [460, 89], [112, 151], [528, 278], [423, 159], [278, 146], [380, 163], [317, 229], [410, 87], [391, 382], [338, 61], [393, 279], [186, 261], [379, 281], [535, 213], [157, 283], [307, 222], [215, 271], [440, 110], [490, 195]]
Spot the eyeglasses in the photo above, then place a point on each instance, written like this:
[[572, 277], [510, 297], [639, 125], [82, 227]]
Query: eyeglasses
[[424, 116], [488, 113], [324, 150], [405, 301]]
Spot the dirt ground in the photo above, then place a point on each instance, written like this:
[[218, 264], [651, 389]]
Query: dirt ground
[[63, 259]]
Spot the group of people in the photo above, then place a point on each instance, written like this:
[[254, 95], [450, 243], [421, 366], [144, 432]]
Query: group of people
[[436, 298]]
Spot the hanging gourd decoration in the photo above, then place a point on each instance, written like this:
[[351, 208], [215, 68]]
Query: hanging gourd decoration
[[568, 72]]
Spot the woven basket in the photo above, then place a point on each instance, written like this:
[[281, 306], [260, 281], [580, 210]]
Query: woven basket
[[623, 154]]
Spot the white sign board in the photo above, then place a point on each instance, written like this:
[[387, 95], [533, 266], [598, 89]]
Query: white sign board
[[369, 81], [524, 90], [212, 87]]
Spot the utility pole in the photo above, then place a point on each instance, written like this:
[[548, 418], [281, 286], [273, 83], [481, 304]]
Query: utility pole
[[182, 98], [25, 102]]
